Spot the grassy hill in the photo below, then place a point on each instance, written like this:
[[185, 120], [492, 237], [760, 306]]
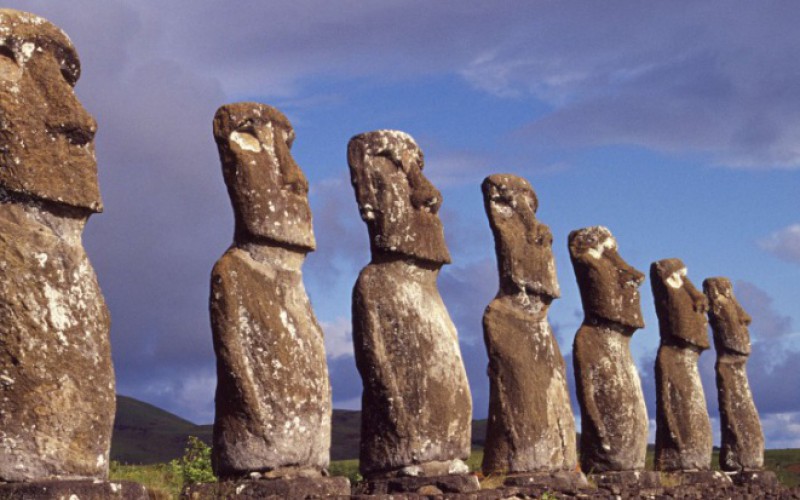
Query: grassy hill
[[146, 434]]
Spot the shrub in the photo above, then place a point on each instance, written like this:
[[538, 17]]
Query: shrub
[[195, 464]]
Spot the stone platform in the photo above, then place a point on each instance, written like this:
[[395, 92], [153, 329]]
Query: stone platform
[[565, 481], [74, 489], [425, 485], [299, 488]]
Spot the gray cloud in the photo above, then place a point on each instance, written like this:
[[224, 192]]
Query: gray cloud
[[768, 324], [784, 244]]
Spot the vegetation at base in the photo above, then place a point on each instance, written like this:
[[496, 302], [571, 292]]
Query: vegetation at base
[[159, 479], [195, 464], [346, 468]]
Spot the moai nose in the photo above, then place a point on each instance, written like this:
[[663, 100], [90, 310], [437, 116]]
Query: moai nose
[[293, 178], [424, 195]]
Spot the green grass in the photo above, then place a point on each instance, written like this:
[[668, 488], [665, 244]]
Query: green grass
[[158, 478]]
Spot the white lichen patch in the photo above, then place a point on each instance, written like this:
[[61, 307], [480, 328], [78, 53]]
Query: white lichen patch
[[675, 280], [58, 310], [246, 141], [26, 51], [41, 258], [609, 243]]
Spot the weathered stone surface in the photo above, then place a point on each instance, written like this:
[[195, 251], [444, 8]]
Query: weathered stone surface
[[395, 199], [742, 446], [562, 480], [56, 380], [683, 429], [268, 191], [46, 143], [613, 413], [278, 489], [273, 400], [423, 485], [71, 490], [416, 404], [530, 424]]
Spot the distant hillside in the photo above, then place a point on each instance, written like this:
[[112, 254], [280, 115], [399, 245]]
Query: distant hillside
[[146, 434]]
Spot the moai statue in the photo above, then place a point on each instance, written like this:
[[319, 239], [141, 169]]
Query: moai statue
[[613, 413], [742, 437], [57, 399], [416, 405], [683, 429], [273, 399], [531, 427]]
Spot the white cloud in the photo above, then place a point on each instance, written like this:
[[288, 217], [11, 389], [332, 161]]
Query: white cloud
[[338, 337], [784, 243]]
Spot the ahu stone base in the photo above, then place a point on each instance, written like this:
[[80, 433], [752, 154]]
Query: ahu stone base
[[425, 485], [299, 488], [564, 481], [754, 477], [74, 490]]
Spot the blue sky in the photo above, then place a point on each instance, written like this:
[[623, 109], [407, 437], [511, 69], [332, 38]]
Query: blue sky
[[675, 124]]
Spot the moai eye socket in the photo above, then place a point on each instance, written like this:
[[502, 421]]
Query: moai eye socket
[[10, 71]]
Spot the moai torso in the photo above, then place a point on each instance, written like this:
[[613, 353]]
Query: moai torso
[[742, 446], [416, 404], [57, 399], [530, 425], [613, 413], [273, 401], [683, 429]]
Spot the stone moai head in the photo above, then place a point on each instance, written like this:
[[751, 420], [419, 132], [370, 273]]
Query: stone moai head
[[729, 321], [46, 136], [395, 199], [609, 286], [524, 246], [681, 308], [268, 191]]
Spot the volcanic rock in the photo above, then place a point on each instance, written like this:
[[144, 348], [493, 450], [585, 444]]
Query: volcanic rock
[[416, 404], [742, 446], [613, 413], [683, 429], [273, 399], [57, 398], [530, 424]]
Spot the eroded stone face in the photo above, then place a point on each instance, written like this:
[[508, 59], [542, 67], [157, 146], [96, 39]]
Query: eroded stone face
[[530, 427], [46, 143], [57, 398], [681, 308], [268, 190], [416, 405], [613, 414], [742, 444], [524, 246], [683, 432], [273, 400], [729, 321], [397, 202], [609, 286]]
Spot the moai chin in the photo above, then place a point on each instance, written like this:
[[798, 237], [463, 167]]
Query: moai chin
[[613, 414], [416, 405], [57, 399], [531, 426], [683, 429], [273, 399], [742, 447]]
